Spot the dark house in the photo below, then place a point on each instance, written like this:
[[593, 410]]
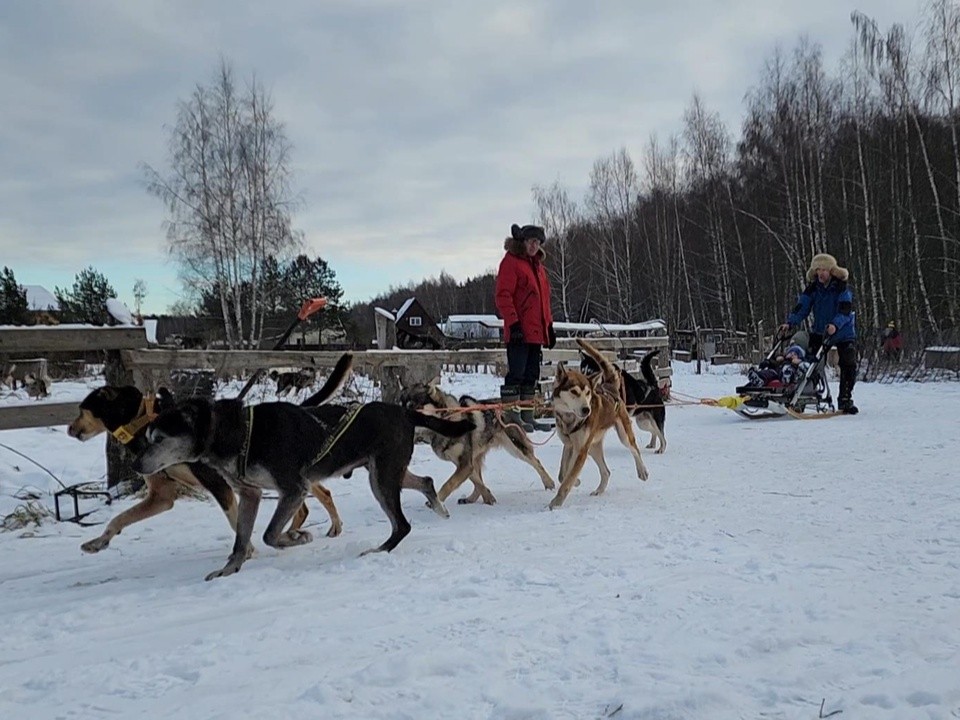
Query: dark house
[[416, 329]]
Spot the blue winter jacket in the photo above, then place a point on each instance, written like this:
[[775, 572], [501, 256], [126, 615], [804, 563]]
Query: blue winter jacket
[[831, 303]]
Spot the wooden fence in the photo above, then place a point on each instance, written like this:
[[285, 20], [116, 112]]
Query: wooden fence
[[17, 343], [128, 362]]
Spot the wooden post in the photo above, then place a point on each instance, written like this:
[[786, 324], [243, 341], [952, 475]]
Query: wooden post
[[119, 462], [393, 378]]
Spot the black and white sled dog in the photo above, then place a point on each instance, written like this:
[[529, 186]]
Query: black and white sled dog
[[468, 451], [285, 447], [643, 398]]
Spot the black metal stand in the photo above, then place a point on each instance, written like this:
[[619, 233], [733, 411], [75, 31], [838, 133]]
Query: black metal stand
[[82, 490]]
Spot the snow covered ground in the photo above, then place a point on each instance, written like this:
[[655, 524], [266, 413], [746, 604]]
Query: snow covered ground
[[766, 567]]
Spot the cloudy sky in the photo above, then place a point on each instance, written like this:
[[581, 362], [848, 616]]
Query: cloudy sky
[[418, 126]]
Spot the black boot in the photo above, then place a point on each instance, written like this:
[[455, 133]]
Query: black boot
[[510, 396], [527, 414], [846, 406]]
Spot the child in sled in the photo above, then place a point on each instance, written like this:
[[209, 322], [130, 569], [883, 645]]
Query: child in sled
[[783, 371]]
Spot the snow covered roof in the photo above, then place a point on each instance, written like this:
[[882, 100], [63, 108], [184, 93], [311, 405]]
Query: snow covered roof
[[39, 298], [405, 307], [386, 313], [119, 312], [494, 321]]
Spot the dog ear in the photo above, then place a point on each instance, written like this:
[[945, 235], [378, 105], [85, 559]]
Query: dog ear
[[561, 368], [435, 381], [164, 399]]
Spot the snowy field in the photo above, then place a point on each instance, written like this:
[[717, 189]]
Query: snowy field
[[765, 568]]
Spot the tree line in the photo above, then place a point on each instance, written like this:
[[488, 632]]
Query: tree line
[[705, 229]]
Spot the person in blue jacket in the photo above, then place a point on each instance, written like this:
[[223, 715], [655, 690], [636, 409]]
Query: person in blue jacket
[[830, 299]]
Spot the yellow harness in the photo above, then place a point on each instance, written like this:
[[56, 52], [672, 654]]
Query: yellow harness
[[126, 433], [339, 429]]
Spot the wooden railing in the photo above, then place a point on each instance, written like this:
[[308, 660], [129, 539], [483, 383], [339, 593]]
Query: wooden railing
[[148, 369], [23, 342]]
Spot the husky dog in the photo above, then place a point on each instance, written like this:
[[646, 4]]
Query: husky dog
[[124, 412], [586, 408], [643, 398], [287, 448], [293, 382], [468, 451]]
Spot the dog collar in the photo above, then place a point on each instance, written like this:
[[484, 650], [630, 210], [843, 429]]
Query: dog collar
[[126, 433], [574, 425]]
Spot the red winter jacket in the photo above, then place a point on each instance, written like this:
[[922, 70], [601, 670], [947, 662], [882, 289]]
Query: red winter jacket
[[523, 293]]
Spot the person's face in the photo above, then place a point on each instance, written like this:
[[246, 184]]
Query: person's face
[[532, 245], [823, 275]]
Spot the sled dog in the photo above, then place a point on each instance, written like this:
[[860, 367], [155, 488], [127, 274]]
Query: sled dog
[[586, 408], [287, 448], [468, 451]]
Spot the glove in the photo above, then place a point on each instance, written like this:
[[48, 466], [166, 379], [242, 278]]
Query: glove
[[551, 337], [516, 334]]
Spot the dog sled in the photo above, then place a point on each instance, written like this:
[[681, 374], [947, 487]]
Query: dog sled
[[808, 397]]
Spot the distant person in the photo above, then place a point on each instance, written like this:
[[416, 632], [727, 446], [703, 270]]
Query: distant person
[[830, 299], [522, 297], [891, 342]]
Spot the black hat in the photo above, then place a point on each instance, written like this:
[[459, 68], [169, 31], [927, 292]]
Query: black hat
[[528, 231]]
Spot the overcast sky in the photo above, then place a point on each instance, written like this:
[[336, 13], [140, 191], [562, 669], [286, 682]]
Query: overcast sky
[[418, 127]]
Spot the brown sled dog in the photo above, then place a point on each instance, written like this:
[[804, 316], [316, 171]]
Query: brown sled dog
[[586, 408], [469, 451], [125, 413]]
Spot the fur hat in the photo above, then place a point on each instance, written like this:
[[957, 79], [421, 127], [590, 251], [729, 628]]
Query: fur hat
[[528, 231], [822, 261], [796, 350]]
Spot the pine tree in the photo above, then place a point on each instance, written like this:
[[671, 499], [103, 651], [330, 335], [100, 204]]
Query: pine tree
[[86, 302], [13, 299], [303, 279]]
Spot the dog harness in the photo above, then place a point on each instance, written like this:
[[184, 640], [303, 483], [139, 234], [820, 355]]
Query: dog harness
[[245, 446], [126, 433], [338, 430]]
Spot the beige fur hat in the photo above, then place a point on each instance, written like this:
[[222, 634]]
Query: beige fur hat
[[826, 262]]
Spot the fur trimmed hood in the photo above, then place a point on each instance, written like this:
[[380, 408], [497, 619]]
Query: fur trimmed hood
[[518, 248], [826, 262]]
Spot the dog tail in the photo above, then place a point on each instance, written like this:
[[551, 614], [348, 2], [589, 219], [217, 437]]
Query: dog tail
[[448, 428], [646, 367], [610, 373], [337, 377]]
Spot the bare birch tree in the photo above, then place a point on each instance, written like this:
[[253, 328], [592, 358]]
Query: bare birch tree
[[559, 215], [229, 198], [613, 189]]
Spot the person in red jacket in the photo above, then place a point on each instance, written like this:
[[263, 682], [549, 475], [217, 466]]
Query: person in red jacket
[[522, 297]]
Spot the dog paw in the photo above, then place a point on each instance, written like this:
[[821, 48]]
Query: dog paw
[[228, 569], [643, 474], [295, 537], [335, 529], [95, 545], [555, 504]]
